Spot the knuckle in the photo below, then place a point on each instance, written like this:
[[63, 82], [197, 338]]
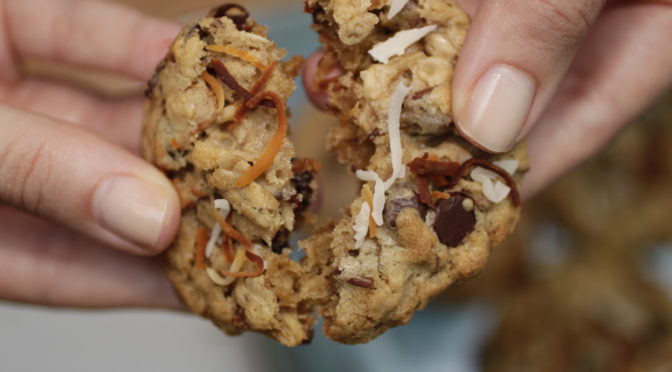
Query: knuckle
[[26, 166]]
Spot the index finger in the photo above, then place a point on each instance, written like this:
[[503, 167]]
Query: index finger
[[85, 33]]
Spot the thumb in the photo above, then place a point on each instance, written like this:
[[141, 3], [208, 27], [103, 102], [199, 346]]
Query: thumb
[[70, 176], [513, 60]]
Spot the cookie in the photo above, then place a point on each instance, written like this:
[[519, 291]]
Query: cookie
[[598, 313], [430, 208], [216, 124], [439, 204]]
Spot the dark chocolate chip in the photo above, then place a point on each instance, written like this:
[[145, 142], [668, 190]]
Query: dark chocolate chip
[[302, 183], [453, 222], [205, 35], [151, 84], [238, 19], [394, 206], [280, 241]]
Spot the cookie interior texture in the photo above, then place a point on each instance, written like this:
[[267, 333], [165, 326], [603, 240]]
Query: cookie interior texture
[[437, 225]]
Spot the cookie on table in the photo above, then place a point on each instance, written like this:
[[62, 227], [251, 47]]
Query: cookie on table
[[432, 205], [216, 124]]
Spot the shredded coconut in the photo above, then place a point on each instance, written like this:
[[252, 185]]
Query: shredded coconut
[[398, 43], [494, 190], [216, 278], [378, 194], [396, 156], [224, 208], [509, 165], [396, 7], [361, 225], [393, 129]]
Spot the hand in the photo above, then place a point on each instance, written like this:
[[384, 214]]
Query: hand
[[77, 198], [568, 74]]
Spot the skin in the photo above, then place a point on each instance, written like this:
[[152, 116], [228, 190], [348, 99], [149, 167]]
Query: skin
[[56, 139], [598, 73]]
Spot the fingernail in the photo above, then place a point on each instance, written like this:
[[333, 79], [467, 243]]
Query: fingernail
[[496, 111], [134, 209]]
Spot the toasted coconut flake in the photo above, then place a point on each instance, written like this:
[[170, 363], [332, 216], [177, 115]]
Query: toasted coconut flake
[[395, 7], [256, 89], [424, 194], [378, 194], [424, 167], [397, 44], [361, 225], [216, 87], [242, 54], [267, 157]]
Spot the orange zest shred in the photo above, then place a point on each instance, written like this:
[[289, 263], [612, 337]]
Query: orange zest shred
[[216, 88], [234, 52], [368, 197], [227, 247], [201, 241], [248, 274], [230, 231], [439, 195], [273, 147], [256, 89]]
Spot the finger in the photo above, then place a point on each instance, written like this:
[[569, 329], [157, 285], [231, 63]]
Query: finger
[[86, 33], [118, 121], [77, 179], [317, 93], [624, 65], [49, 265], [513, 59]]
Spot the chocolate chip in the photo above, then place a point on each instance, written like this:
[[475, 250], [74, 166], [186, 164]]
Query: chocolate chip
[[302, 183], [205, 35], [151, 84], [394, 206], [280, 241], [239, 18], [453, 223]]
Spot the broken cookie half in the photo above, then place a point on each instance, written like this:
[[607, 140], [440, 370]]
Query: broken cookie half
[[431, 207], [216, 123]]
